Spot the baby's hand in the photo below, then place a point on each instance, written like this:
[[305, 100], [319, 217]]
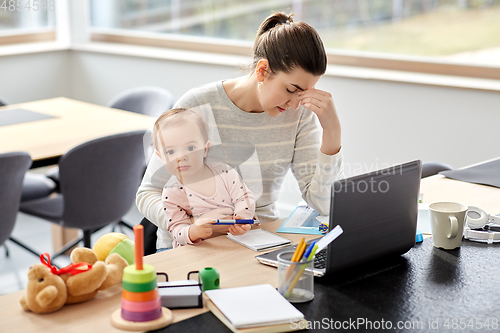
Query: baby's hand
[[239, 229], [201, 229]]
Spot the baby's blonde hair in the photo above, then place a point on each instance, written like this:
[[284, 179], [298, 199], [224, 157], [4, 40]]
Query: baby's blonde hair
[[175, 117]]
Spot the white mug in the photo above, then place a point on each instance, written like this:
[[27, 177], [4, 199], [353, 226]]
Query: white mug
[[447, 219]]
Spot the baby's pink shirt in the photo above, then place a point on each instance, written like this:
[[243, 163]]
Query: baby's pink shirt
[[180, 202]]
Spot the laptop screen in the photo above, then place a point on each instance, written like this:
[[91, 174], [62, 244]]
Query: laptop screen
[[378, 213]]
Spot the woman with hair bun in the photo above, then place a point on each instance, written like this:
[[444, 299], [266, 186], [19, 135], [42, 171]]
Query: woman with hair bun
[[277, 109]]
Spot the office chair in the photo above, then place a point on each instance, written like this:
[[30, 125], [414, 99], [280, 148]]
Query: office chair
[[34, 185], [13, 166], [147, 100], [433, 168], [98, 180], [3, 102], [151, 101]]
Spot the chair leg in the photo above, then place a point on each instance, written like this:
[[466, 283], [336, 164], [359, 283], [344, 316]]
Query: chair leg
[[126, 224], [24, 246], [86, 238], [66, 248], [6, 250]]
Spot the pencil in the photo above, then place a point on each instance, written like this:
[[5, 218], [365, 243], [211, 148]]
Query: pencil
[[296, 256], [301, 270], [299, 251]]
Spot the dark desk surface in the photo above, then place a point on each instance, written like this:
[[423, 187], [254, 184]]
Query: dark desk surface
[[426, 286]]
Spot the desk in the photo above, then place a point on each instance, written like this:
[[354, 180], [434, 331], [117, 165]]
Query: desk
[[378, 291], [74, 123]]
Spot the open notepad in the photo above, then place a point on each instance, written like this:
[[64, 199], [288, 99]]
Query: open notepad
[[258, 308], [260, 239]]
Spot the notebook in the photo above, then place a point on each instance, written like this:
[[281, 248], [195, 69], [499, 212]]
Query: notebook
[[260, 239], [258, 308], [378, 213]]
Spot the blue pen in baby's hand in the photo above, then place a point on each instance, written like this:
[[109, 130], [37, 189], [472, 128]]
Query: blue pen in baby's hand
[[233, 222]]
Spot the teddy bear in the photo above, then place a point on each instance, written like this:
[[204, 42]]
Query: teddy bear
[[49, 288]]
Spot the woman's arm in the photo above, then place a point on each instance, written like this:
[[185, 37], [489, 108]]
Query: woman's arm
[[321, 103], [314, 170], [148, 198]]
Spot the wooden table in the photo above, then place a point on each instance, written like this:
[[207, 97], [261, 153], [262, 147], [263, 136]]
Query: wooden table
[[75, 122], [237, 266], [233, 261]]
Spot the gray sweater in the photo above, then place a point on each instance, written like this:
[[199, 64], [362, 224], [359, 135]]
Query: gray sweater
[[262, 147]]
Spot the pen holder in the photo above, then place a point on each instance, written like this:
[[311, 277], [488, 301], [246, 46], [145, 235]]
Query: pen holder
[[295, 279]]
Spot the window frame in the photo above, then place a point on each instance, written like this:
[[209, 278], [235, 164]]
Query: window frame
[[21, 36], [335, 56]]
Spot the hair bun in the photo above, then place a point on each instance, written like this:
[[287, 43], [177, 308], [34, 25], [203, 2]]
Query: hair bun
[[273, 21], [286, 45]]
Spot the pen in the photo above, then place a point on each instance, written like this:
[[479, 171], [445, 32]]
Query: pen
[[309, 250], [233, 222]]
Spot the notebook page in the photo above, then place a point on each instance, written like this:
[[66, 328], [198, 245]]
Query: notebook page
[[253, 306], [259, 238]]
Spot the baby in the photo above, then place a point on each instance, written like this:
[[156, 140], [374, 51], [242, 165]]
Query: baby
[[198, 191]]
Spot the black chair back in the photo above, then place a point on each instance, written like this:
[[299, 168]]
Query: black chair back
[[3, 102], [151, 101], [100, 178], [13, 167]]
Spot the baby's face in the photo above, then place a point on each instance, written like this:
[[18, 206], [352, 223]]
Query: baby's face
[[184, 149]]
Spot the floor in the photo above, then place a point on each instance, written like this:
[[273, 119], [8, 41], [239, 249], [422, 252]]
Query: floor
[[36, 233]]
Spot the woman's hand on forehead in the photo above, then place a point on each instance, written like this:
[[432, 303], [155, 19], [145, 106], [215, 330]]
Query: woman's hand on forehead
[[321, 103]]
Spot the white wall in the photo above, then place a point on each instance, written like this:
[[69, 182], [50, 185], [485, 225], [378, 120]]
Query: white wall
[[97, 77], [383, 122], [30, 77], [389, 122]]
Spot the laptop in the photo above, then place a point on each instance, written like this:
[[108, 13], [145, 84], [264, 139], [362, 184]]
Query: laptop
[[378, 213]]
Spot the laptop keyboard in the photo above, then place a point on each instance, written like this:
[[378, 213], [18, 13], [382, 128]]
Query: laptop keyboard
[[320, 259]]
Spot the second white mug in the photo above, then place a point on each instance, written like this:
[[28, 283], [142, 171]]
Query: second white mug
[[447, 220]]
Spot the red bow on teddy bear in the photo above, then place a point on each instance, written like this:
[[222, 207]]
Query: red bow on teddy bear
[[73, 269]]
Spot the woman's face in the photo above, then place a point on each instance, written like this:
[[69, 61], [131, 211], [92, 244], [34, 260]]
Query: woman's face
[[279, 92]]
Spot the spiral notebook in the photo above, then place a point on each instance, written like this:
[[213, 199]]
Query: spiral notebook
[[259, 308], [260, 240]]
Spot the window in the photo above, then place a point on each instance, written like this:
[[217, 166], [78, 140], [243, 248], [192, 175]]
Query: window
[[376, 31], [26, 21]]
